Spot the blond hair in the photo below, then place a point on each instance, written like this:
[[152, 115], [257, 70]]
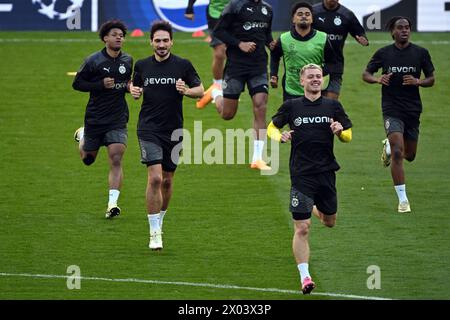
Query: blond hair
[[310, 66]]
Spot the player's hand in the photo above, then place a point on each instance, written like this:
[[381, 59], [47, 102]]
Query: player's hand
[[181, 86], [274, 82], [189, 16], [362, 40], [108, 83], [136, 92], [272, 44], [286, 136], [336, 127], [385, 78], [409, 80], [247, 47]]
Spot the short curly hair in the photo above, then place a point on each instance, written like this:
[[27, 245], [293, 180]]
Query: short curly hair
[[111, 24]]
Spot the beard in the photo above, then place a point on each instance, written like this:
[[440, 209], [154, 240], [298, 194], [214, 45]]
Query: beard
[[162, 53], [303, 25]]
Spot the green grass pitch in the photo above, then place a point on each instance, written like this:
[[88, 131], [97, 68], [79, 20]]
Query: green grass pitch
[[226, 225]]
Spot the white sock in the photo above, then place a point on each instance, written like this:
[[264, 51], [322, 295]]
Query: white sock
[[304, 272], [388, 149], [81, 134], [216, 93], [258, 148], [113, 197], [153, 222], [161, 217], [217, 81], [401, 192]]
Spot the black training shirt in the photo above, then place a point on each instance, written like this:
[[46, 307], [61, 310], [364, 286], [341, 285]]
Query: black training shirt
[[107, 109], [247, 21], [161, 110], [338, 23], [312, 139], [398, 100]]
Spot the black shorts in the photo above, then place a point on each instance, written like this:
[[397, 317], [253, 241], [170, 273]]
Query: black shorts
[[233, 86], [162, 150], [307, 191], [93, 142], [335, 83], [392, 124]]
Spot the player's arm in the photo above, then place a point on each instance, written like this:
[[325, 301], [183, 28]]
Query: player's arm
[[338, 130], [224, 25], [279, 120], [275, 57], [329, 56], [84, 79], [342, 126], [136, 84], [374, 65], [193, 92], [190, 85], [270, 43], [357, 31], [274, 133]]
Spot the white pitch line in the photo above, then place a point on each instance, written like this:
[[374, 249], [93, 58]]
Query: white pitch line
[[191, 284]]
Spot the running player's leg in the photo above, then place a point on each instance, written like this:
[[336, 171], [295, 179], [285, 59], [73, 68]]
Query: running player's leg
[[115, 155], [258, 89], [218, 62], [116, 141], [88, 146], [169, 165], [326, 199], [152, 156], [411, 139], [154, 201], [227, 99], [301, 206], [395, 129], [166, 190]]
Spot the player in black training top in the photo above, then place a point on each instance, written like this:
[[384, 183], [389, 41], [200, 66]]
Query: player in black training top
[[338, 21], [402, 64], [245, 26], [313, 121], [106, 75], [164, 79]]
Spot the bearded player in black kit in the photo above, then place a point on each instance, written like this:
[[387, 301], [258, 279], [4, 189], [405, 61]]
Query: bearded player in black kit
[[106, 76], [402, 64], [164, 79]]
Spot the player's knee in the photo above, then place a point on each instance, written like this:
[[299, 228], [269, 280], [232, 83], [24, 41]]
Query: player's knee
[[302, 229], [260, 106], [330, 223], [219, 56], [167, 183], [116, 160], [88, 159], [397, 153], [227, 115], [155, 181], [410, 157]]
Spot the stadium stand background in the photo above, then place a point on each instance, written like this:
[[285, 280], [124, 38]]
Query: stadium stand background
[[426, 15]]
